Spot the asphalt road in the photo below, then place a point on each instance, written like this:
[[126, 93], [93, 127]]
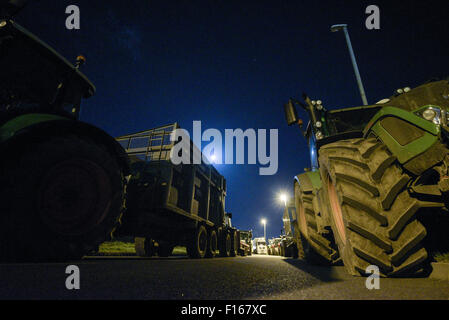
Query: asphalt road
[[256, 277]]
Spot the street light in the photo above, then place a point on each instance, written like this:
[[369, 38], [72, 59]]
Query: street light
[[283, 198], [344, 27], [264, 222]]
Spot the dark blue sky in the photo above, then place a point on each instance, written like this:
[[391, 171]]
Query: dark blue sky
[[232, 64]]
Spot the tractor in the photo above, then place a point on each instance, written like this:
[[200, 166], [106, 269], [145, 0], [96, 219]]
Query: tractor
[[377, 191], [62, 181]]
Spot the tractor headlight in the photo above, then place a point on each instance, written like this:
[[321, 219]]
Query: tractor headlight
[[431, 114]]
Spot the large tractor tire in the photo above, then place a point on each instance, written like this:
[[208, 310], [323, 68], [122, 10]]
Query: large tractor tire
[[197, 246], [144, 247], [226, 244], [60, 199], [372, 214], [311, 245], [212, 245]]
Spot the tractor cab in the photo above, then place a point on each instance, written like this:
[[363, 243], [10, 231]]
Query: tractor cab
[[35, 78], [326, 126]]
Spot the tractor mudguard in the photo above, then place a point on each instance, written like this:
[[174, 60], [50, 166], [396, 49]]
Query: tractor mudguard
[[33, 126], [405, 134], [309, 181]]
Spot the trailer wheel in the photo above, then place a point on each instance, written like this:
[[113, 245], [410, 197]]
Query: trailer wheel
[[61, 197], [165, 249], [198, 245], [144, 247], [373, 216], [212, 244], [225, 248], [234, 244]]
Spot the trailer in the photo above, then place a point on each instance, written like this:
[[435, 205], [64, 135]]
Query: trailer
[[172, 205]]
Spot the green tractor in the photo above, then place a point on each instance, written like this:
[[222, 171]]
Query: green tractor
[[377, 191], [62, 181]]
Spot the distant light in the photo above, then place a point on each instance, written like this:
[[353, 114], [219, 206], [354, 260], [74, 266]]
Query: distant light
[[213, 158], [283, 197], [263, 221]]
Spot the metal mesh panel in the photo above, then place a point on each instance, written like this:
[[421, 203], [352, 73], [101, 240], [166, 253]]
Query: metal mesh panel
[[154, 144]]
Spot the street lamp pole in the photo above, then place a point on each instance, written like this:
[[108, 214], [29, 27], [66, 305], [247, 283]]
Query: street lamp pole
[[344, 27], [265, 230], [264, 222]]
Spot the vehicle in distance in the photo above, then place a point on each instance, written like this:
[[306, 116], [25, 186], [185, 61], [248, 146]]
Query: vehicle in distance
[[274, 246], [288, 243], [245, 242], [260, 246]]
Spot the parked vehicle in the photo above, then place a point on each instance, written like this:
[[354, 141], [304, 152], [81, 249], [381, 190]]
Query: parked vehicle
[[62, 181], [377, 190], [260, 246], [288, 245], [245, 243], [274, 246], [170, 205]]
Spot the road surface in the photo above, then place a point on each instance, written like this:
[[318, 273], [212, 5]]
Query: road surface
[[255, 277]]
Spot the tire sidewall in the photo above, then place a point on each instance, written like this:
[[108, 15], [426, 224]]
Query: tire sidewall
[[344, 247], [228, 244], [33, 163], [212, 244], [201, 237]]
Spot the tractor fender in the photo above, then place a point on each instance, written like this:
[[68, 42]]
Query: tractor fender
[[309, 182], [410, 138], [31, 127]]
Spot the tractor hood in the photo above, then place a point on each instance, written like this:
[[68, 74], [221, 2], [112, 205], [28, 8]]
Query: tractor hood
[[432, 93], [32, 69]]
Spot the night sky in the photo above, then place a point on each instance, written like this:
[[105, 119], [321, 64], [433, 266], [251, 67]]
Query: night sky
[[232, 64]]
